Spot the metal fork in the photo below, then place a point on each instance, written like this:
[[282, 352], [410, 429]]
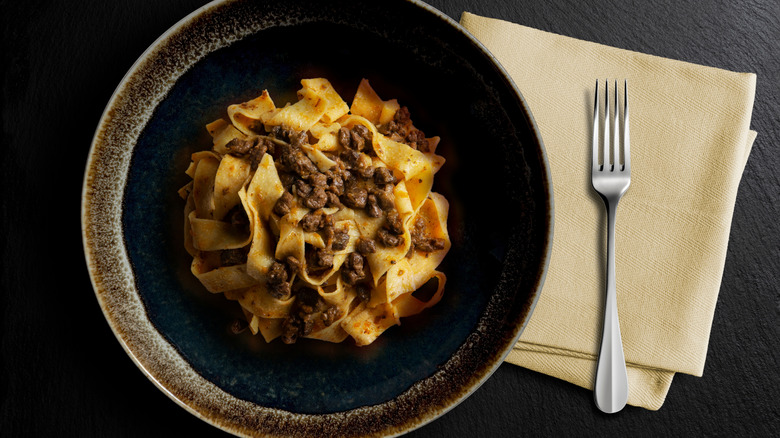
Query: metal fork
[[611, 179]]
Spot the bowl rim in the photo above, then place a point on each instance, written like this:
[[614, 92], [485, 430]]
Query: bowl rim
[[88, 241]]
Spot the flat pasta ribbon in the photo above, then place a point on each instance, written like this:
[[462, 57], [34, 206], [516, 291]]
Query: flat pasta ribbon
[[318, 218]]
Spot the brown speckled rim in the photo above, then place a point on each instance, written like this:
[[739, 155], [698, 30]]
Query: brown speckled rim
[[129, 109]]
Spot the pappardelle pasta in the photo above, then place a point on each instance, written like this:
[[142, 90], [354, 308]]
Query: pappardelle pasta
[[318, 217]]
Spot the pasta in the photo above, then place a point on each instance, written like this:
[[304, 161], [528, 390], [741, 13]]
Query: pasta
[[317, 217]]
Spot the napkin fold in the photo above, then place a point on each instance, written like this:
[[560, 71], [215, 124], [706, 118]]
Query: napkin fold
[[690, 140]]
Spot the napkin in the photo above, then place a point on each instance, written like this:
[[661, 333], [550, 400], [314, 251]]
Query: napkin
[[690, 140]]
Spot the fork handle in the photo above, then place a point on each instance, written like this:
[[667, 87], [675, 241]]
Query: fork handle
[[611, 387]]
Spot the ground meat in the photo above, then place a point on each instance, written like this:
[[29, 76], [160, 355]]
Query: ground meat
[[344, 138], [301, 188], [335, 183], [256, 154], [239, 147], [327, 220], [277, 273], [383, 175], [354, 261], [295, 138], [365, 246], [307, 310], [293, 264], [238, 219], [309, 300], [295, 160], [354, 196], [258, 127], [231, 257], [255, 157], [385, 198], [419, 225], [388, 239], [327, 234], [318, 179], [302, 165], [299, 138], [364, 167], [253, 147], [372, 206], [400, 129], [315, 221], [280, 132], [387, 128], [295, 326], [429, 245], [278, 286], [283, 204], [269, 146], [416, 139], [359, 163], [333, 200], [394, 223], [340, 240], [363, 292], [325, 258], [423, 243], [287, 179], [346, 174], [312, 221], [393, 130], [364, 133], [317, 199], [279, 291], [308, 324], [358, 138], [350, 158], [309, 316], [358, 142], [352, 271], [319, 258], [402, 116], [290, 328], [331, 315]]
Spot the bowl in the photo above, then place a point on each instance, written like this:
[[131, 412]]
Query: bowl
[[496, 178]]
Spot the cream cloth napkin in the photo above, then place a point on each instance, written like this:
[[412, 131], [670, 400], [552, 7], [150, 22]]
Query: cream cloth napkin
[[690, 140]]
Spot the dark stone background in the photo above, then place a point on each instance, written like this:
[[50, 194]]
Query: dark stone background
[[64, 374]]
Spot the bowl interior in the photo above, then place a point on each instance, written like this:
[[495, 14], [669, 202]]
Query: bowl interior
[[495, 179]]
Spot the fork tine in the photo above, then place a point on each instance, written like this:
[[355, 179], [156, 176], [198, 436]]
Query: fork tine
[[626, 137], [616, 133], [607, 160], [595, 143]]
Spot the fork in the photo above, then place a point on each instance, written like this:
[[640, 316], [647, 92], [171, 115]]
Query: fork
[[611, 179]]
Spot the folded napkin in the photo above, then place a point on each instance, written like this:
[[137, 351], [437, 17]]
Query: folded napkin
[[690, 140]]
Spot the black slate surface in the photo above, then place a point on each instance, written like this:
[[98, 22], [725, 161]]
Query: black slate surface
[[62, 373]]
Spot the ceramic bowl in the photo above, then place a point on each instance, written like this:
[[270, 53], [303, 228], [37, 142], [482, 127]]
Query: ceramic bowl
[[496, 178]]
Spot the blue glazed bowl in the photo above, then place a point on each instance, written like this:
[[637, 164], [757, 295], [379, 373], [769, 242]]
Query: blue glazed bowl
[[496, 179]]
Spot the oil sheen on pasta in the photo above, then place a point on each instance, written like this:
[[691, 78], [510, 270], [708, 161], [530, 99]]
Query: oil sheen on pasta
[[318, 217]]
